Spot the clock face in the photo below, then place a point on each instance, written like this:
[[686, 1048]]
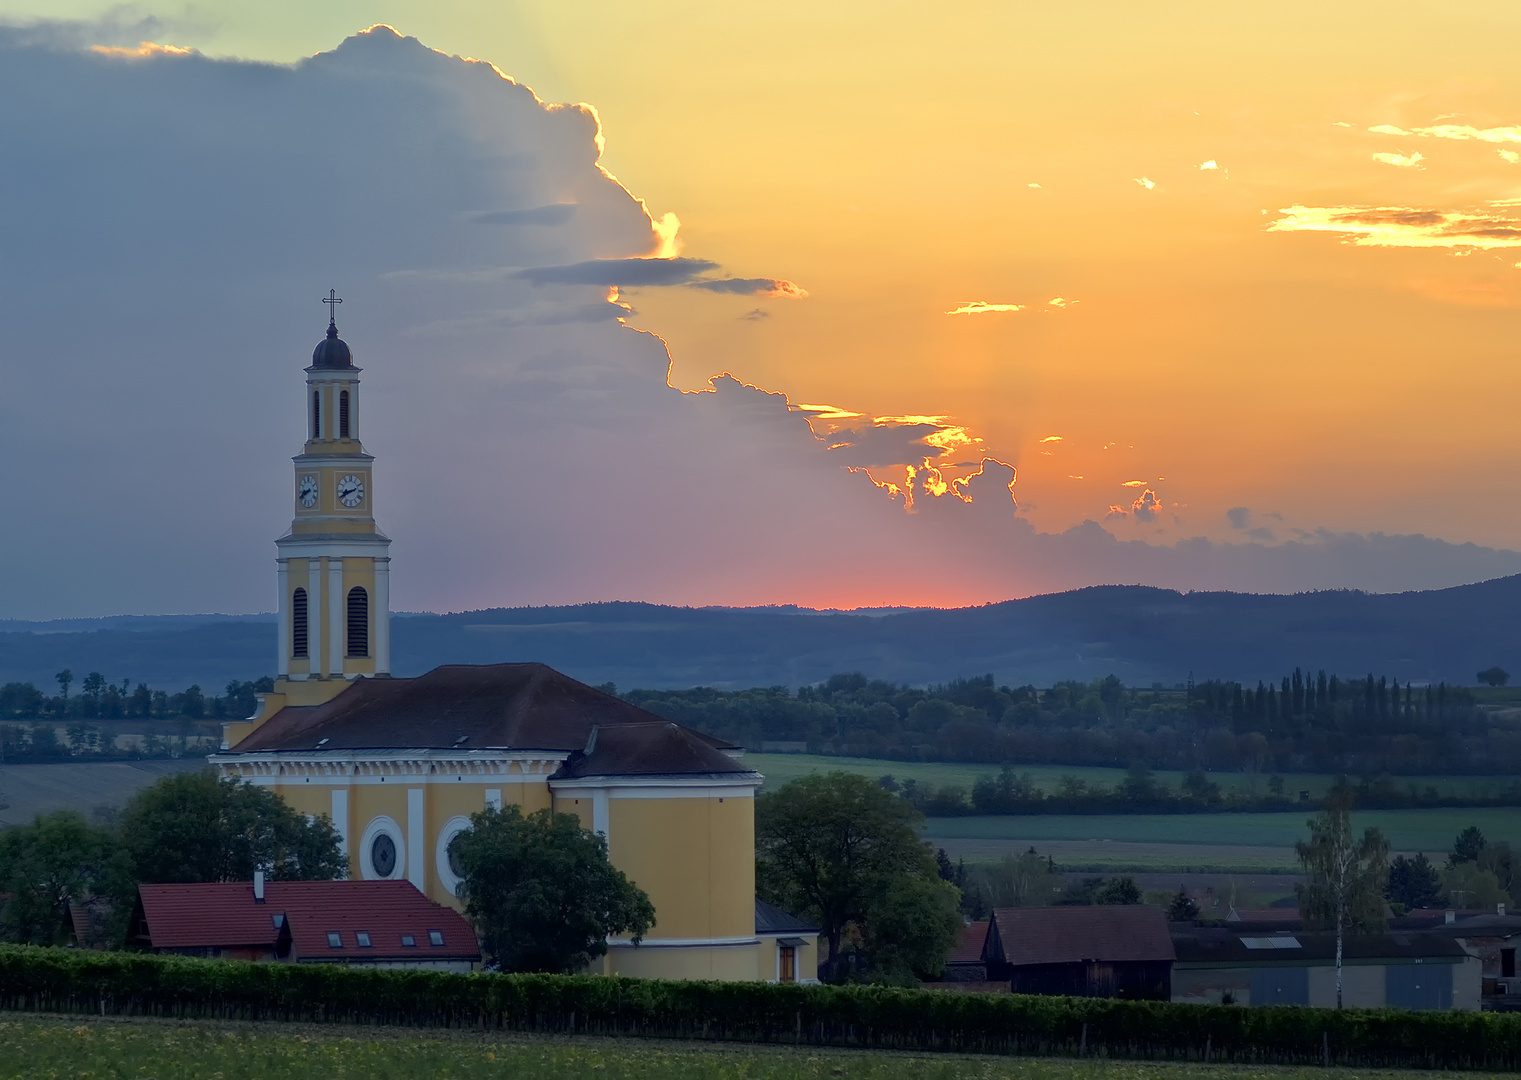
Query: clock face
[[308, 491], [350, 490]]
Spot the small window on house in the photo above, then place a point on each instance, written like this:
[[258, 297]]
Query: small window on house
[[359, 622], [334, 940], [408, 941], [343, 414], [316, 414], [298, 623], [363, 937], [435, 937]]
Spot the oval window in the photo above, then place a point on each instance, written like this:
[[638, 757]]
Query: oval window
[[455, 866], [383, 855]]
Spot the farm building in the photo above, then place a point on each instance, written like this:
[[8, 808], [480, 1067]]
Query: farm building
[[385, 924], [1283, 965], [1104, 951]]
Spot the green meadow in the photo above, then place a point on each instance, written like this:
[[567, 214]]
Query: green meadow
[[782, 768], [1407, 830], [34, 1047]]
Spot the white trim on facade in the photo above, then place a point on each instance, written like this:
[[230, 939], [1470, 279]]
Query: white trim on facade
[[341, 819], [682, 943], [416, 821]]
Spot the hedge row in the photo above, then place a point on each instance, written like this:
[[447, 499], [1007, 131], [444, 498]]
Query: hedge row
[[61, 980]]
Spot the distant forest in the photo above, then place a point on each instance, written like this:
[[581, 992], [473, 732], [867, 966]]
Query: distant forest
[[185, 714], [1307, 723]]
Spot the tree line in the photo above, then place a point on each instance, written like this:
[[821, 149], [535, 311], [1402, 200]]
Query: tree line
[[1305, 722], [1140, 792], [89, 718]]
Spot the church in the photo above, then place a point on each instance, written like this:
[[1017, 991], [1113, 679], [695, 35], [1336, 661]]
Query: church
[[400, 764]]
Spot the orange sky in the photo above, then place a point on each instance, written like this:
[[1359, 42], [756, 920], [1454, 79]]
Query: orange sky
[[899, 161]]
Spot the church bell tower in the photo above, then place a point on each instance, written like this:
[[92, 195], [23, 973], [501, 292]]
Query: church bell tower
[[333, 564]]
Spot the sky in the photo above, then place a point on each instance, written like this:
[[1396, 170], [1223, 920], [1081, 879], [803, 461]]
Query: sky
[[836, 305]]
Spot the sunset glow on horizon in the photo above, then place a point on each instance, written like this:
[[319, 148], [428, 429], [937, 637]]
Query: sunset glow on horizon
[[1278, 268]]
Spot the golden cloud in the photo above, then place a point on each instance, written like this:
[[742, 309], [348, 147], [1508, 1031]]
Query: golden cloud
[[1052, 438], [1401, 161], [982, 307], [1145, 182], [1403, 226], [1135, 483], [144, 49], [1461, 132]]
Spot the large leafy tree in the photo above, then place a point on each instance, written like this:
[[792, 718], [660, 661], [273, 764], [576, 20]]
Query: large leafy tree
[[43, 867], [195, 827], [1346, 876], [542, 893], [838, 847]]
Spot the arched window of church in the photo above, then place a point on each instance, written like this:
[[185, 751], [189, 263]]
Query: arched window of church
[[359, 622], [298, 623], [343, 414], [316, 414]]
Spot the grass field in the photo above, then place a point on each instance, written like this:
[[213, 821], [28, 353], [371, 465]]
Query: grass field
[[1431, 831], [781, 768], [33, 1047]]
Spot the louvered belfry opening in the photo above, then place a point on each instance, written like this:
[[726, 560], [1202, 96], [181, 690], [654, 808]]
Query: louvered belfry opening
[[316, 414], [343, 414], [359, 622], [298, 623]]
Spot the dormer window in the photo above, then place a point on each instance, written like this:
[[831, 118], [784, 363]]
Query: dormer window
[[408, 941], [363, 937], [334, 940], [435, 937], [343, 414]]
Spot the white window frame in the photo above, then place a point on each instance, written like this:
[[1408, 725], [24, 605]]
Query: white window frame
[[376, 827], [446, 876]]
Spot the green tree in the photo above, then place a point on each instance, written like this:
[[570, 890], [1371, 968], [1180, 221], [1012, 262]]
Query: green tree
[[1469, 885], [1020, 881], [911, 927], [1182, 908], [1467, 846], [541, 891], [831, 846], [1346, 877], [45, 865], [195, 827], [1495, 676], [1119, 890], [1414, 882]]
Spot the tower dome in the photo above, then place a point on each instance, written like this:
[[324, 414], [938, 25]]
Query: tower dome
[[332, 351]]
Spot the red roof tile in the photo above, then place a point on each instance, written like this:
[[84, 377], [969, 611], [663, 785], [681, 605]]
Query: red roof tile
[[969, 943], [225, 915], [1065, 935]]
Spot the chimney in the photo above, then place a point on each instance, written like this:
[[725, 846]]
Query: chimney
[[1452, 917], [258, 886]]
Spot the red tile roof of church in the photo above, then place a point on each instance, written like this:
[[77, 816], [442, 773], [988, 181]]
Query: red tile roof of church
[[458, 707]]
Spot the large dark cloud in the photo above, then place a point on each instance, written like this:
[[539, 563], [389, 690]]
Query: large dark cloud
[[167, 225]]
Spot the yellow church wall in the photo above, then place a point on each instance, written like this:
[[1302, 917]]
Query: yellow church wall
[[694, 857], [582, 808], [730, 963]]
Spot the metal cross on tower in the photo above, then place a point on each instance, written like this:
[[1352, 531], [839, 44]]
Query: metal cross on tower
[[332, 300]]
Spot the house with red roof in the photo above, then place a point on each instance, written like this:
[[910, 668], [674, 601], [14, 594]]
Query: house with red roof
[[387, 924]]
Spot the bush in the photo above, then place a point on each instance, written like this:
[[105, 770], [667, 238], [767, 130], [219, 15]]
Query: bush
[[136, 984]]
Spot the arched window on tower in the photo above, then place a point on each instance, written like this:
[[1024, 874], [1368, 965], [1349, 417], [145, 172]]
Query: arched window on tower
[[316, 414], [298, 623], [359, 622], [343, 414]]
